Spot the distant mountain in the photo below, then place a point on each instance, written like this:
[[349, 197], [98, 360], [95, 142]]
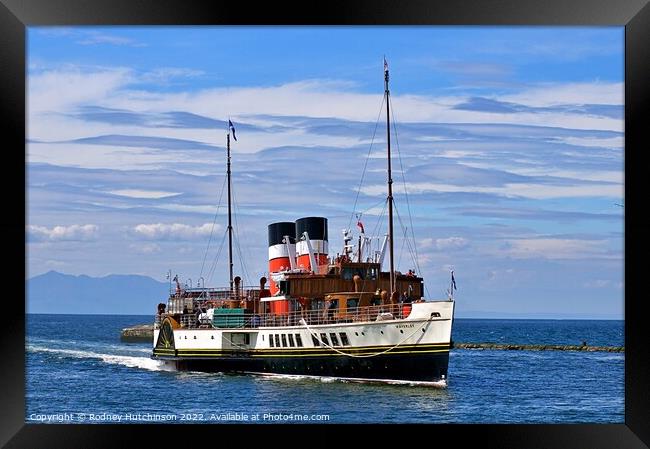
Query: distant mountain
[[118, 294]]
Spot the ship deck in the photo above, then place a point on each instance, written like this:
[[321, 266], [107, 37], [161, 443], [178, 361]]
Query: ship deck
[[229, 318]]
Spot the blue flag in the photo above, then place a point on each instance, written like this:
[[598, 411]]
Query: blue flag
[[453, 281], [232, 128]]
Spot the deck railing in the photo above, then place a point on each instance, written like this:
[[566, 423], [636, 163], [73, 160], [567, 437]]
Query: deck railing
[[225, 318]]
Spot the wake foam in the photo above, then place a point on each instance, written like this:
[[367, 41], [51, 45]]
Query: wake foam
[[114, 359], [327, 379]]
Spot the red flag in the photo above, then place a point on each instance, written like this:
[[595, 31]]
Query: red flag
[[361, 226]]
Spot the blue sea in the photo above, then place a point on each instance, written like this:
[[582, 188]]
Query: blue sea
[[78, 371]]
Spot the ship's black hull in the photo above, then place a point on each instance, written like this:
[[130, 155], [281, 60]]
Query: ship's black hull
[[412, 366]]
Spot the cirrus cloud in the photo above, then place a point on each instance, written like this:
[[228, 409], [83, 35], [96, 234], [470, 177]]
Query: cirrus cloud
[[445, 244], [174, 231]]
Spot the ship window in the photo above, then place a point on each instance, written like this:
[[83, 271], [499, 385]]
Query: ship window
[[372, 274], [298, 341], [283, 286], [348, 273], [344, 339], [335, 340], [315, 340], [271, 340], [277, 341], [352, 303], [284, 340], [324, 339], [291, 342]]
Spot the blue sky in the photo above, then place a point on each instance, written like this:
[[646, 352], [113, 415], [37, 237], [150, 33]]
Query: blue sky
[[509, 142]]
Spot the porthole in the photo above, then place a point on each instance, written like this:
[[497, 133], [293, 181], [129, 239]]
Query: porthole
[[401, 331]]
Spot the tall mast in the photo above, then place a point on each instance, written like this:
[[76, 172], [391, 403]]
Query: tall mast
[[390, 183], [229, 214]]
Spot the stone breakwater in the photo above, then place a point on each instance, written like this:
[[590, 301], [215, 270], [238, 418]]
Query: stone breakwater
[[505, 346], [141, 332], [144, 332]]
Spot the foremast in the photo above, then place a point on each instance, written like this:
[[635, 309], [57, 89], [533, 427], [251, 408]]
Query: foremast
[[230, 264], [390, 183]]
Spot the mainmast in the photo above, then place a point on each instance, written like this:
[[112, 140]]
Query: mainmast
[[390, 183], [229, 214]]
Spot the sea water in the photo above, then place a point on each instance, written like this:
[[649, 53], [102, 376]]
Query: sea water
[[78, 370]]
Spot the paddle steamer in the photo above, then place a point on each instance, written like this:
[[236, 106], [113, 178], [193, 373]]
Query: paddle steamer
[[325, 316]]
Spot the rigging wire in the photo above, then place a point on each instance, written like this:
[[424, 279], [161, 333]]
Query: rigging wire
[[412, 252], [360, 214], [216, 259], [365, 165], [401, 250], [213, 223], [408, 242], [380, 219], [408, 203], [375, 233], [242, 264]]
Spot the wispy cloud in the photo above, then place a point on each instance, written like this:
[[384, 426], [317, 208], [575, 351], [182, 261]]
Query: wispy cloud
[[555, 248], [174, 231], [147, 248], [525, 213], [477, 75], [88, 37], [511, 190], [167, 74], [443, 244], [481, 104], [143, 141], [557, 94], [149, 194], [61, 91], [102, 38], [599, 283], [62, 233]]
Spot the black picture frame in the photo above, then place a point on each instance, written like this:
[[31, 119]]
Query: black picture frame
[[16, 15]]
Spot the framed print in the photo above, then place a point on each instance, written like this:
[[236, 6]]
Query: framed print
[[355, 214]]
